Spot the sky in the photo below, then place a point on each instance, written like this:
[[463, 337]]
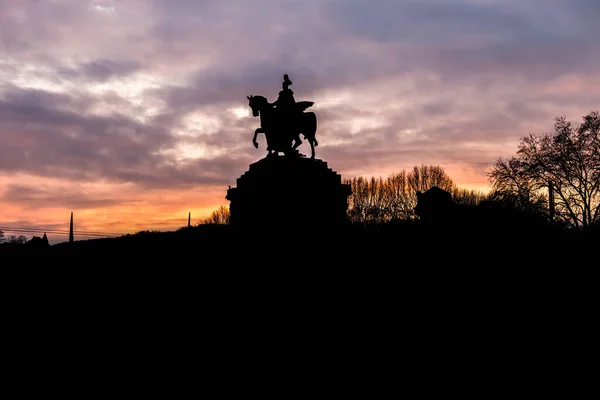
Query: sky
[[133, 113]]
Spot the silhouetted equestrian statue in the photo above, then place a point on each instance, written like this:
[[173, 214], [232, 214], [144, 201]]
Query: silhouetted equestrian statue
[[283, 121], [290, 197]]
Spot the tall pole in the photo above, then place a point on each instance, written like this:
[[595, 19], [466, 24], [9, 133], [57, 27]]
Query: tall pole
[[71, 240], [189, 218], [551, 201]]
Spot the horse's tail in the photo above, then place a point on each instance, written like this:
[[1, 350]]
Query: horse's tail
[[310, 127]]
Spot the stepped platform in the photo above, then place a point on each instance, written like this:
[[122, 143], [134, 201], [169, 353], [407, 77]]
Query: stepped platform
[[291, 193]]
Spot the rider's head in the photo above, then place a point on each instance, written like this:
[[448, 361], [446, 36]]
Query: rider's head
[[286, 81]]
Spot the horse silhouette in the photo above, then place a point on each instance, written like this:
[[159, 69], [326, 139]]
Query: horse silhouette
[[282, 130]]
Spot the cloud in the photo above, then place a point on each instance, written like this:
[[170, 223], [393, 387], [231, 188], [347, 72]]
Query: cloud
[[99, 70], [48, 134], [49, 197]]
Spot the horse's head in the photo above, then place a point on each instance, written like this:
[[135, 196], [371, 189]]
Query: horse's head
[[257, 103]]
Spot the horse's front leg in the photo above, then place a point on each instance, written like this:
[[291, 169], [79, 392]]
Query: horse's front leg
[[256, 132]]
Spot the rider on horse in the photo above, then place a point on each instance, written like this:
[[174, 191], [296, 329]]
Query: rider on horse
[[287, 112], [283, 121], [286, 98]]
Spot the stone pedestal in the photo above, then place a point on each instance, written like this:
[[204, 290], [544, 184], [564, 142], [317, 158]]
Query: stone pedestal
[[288, 193]]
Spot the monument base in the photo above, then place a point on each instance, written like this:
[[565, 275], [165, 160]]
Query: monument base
[[289, 193]]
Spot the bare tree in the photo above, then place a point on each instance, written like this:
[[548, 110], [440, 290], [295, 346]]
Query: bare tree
[[402, 200], [568, 160], [221, 216], [376, 200], [368, 201], [513, 187], [14, 239], [467, 197], [426, 176]]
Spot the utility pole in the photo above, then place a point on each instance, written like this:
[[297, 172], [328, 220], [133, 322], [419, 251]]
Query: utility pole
[[189, 218], [551, 201], [71, 240]]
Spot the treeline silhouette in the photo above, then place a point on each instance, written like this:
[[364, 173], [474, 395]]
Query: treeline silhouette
[[376, 200]]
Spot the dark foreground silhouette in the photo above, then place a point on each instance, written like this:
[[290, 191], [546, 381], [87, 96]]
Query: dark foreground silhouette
[[472, 241], [410, 290]]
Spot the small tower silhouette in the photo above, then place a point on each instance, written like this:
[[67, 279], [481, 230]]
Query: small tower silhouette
[[71, 240], [189, 217]]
